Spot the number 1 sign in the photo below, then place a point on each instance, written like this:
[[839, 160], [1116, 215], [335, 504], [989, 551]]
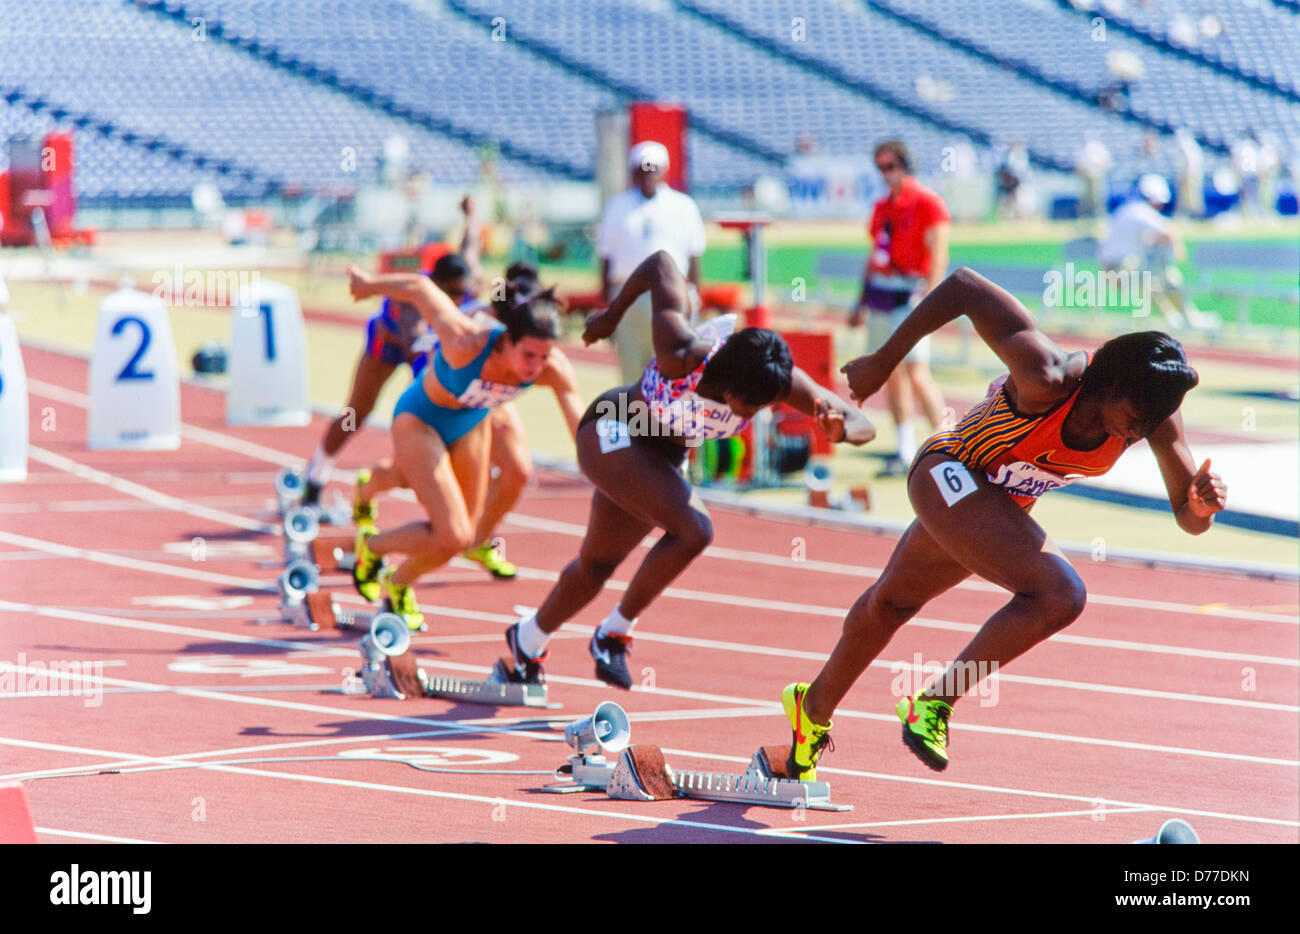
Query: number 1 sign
[[268, 360]]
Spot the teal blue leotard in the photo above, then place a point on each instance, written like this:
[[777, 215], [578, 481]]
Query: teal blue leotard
[[476, 395]]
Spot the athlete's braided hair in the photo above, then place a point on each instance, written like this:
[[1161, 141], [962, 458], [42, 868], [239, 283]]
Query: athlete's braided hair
[[1148, 368]]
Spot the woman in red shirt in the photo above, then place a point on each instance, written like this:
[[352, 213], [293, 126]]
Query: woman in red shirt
[[1054, 418]]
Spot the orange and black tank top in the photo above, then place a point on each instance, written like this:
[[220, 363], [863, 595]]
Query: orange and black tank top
[[1024, 454]]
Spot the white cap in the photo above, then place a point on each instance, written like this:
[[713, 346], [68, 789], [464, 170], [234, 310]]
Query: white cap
[[1155, 188], [648, 156]]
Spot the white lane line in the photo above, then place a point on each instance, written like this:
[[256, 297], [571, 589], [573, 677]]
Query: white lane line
[[83, 835], [148, 494], [693, 695], [280, 458], [455, 796], [867, 573], [674, 592], [1041, 815]]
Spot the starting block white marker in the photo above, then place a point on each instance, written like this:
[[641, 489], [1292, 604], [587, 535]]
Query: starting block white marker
[[268, 360], [135, 395], [13, 401], [301, 527]]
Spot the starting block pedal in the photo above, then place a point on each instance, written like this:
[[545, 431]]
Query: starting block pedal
[[334, 553], [298, 581], [321, 614]]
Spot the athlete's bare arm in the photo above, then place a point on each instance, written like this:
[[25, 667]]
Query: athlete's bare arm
[[838, 420], [461, 336], [1195, 494], [560, 377], [1041, 372], [678, 349]]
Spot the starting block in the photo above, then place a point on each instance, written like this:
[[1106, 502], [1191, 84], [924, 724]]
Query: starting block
[[289, 487], [641, 774], [299, 580], [389, 671], [291, 484], [320, 613], [334, 553], [301, 526]]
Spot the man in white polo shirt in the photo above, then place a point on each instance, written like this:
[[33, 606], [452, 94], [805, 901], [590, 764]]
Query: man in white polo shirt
[[648, 217]]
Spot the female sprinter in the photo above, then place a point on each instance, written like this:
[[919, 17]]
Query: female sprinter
[[511, 465], [440, 432], [1055, 418], [632, 445], [392, 338]]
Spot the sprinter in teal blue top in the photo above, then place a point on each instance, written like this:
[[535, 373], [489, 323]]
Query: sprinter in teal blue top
[[440, 434]]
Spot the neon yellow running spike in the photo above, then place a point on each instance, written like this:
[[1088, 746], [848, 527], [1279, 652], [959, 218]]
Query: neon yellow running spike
[[809, 739], [401, 600], [925, 729], [491, 559], [365, 573], [363, 514]]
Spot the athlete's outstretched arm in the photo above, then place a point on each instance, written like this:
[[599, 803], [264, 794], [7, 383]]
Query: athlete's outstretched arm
[[453, 327], [560, 376], [1195, 494], [838, 420], [1037, 365], [678, 349]]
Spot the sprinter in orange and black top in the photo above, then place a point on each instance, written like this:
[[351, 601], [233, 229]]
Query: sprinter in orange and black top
[[1054, 418]]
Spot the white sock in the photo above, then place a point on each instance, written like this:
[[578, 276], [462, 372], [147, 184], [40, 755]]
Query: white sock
[[906, 442], [321, 467], [531, 638], [616, 622]]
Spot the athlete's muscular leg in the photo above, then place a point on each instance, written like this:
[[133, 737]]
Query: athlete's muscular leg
[[367, 382]]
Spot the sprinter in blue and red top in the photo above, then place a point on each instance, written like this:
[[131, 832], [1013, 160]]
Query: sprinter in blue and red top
[[1054, 418]]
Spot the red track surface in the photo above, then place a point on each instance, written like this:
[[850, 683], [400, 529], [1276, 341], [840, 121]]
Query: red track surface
[[1066, 754]]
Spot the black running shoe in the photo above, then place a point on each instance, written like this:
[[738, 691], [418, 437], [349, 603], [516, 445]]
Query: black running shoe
[[521, 668], [610, 653], [310, 494]]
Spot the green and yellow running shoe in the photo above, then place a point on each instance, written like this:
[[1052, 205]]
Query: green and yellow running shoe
[[363, 514], [809, 739], [401, 600], [925, 729], [365, 573], [491, 559]]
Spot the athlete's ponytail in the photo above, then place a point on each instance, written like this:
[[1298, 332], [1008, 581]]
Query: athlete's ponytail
[[1148, 368], [526, 311]]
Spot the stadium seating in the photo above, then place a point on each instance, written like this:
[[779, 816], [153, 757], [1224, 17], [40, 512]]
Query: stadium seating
[[261, 96]]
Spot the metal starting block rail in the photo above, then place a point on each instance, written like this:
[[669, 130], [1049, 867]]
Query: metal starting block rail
[[390, 671], [318, 612]]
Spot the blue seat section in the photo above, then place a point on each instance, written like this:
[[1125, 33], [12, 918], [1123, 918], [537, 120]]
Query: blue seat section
[[1066, 46], [158, 78], [1256, 38], [867, 45], [263, 96], [659, 51]]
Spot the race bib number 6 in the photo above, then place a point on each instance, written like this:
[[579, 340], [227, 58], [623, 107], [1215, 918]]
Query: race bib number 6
[[953, 480]]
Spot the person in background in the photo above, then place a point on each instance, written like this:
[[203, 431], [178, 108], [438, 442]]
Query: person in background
[[637, 223], [1141, 238], [909, 257]]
